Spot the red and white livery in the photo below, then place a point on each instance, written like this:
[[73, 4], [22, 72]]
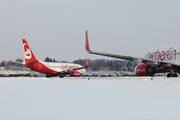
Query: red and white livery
[[164, 59], [51, 68]]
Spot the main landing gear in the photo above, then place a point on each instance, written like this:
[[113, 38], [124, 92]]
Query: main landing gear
[[48, 75], [61, 75], [172, 75]]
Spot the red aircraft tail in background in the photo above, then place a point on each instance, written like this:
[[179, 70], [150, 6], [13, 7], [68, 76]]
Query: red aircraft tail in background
[[6, 64]]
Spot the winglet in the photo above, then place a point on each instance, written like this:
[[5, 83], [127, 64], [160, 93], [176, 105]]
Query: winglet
[[6, 63], [87, 43], [87, 64]]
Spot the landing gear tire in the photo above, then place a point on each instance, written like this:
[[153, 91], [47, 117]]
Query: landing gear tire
[[175, 75], [169, 75], [48, 76], [61, 76]]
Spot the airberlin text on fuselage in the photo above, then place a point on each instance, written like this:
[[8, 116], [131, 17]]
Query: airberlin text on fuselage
[[169, 54], [68, 67]]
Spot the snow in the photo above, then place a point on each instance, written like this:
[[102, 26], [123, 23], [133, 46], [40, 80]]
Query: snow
[[123, 98]]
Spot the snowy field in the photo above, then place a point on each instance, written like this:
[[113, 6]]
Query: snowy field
[[125, 98]]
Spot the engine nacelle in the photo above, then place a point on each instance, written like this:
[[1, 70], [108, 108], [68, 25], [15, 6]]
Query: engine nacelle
[[144, 69], [76, 74]]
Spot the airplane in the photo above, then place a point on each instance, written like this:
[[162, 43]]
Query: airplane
[[163, 59], [10, 66], [6, 64], [51, 68]]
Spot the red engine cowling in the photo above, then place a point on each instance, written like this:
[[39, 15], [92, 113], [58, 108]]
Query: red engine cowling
[[76, 74], [144, 69]]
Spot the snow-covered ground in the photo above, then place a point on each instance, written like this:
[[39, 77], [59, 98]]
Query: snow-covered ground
[[124, 98]]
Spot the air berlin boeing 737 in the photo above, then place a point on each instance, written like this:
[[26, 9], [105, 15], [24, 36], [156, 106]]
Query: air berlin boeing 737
[[50, 68], [164, 59]]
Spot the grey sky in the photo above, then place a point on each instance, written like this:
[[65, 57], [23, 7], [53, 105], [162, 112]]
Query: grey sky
[[56, 28]]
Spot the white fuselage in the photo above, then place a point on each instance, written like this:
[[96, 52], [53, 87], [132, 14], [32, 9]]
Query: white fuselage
[[164, 53], [63, 66]]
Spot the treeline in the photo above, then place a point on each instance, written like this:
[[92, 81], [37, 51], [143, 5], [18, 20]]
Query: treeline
[[103, 64], [108, 65], [94, 65]]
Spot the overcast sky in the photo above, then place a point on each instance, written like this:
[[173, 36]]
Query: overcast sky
[[56, 28]]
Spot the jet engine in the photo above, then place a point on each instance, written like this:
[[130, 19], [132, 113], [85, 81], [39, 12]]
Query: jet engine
[[76, 74], [144, 69]]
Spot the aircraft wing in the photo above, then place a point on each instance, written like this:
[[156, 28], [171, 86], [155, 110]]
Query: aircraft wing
[[124, 57], [22, 63], [7, 64]]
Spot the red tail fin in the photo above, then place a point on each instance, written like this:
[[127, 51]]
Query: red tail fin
[[87, 43], [28, 54], [6, 63], [87, 64]]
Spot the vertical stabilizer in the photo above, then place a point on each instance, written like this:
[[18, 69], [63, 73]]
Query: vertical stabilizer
[[6, 64], [87, 64], [28, 54]]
